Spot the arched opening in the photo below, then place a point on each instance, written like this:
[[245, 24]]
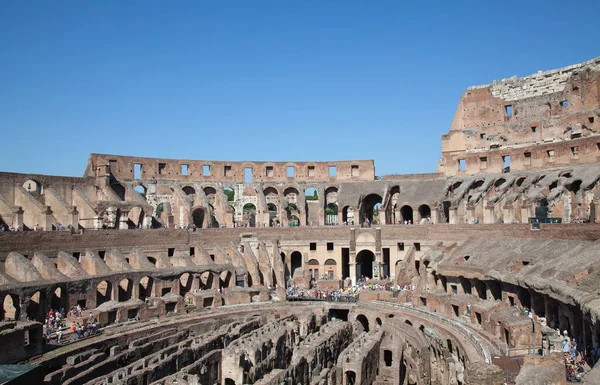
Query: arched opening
[[185, 283], [229, 193], [387, 357], [103, 293], [348, 215], [424, 211], [520, 181], [140, 190], [378, 320], [33, 187], [364, 264], [313, 268], [206, 280], [407, 213], [477, 184], [273, 215], [213, 219], [125, 290], [331, 269], [408, 322], [350, 377], [119, 190], [363, 322], [152, 260], [145, 287], [499, 182], [296, 261], [369, 207], [10, 312], [59, 299], [249, 215], [211, 194], [34, 307], [311, 194], [189, 190], [229, 381], [198, 217], [225, 277], [331, 214], [456, 185]]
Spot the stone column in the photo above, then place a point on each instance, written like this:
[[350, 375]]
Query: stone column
[[525, 210], [147, 222], [115, 291], [596, 214], [453, 213], [124, 219], [75, 218], [489, 216], [507, 213], [434, 215], [353, 270], [18, 217], [135, 290], [47, 215]]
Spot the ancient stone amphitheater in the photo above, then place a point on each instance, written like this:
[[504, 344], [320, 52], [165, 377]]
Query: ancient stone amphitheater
[[204, 272]]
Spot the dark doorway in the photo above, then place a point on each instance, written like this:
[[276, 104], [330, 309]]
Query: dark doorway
[[345, 262], [296, 260], [364, 264]]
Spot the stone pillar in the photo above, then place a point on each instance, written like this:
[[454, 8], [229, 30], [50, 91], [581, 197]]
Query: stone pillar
[[488, 215], [97, 222], [508, 214], [470, 213], [135, 290], [123, 220], [47, 215], [353, 269], [525, 210], [147, 222], [453, 213], [434, 215], [595, 216], [18, 217], [115, 291], [75, 218], [488, 291]]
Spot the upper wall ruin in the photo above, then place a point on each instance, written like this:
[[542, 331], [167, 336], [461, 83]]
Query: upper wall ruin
[[124, 167], [549, 119]]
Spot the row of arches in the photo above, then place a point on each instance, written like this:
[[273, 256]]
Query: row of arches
[[37, 305]]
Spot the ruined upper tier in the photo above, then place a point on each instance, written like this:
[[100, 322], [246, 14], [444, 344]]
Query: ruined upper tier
[[549, 119]]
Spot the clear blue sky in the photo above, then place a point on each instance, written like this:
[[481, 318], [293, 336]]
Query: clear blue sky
[[262, 80]]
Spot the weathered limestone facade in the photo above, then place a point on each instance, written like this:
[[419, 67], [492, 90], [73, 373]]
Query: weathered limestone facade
[[185, 263]]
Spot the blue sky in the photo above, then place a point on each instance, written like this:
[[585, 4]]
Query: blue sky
[[262, 80]]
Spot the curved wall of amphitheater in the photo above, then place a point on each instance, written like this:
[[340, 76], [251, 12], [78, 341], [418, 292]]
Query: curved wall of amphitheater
[[214, 272]]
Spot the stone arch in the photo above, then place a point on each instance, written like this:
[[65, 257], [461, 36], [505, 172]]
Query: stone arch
[[350, 377], [348, 215], [145, 289], [103, 292], [59, 298], [424, 211], [407, 213], [499, 182], [10, 308], [199, 217], [185, 283], [225, 278], [364, 264], [369, 207], [125, 290], [141, 189], [205, 280], [33, 186], [35, 309], [189, 190], [296, 261], [249, 214], [331, 268], [363, 321]]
